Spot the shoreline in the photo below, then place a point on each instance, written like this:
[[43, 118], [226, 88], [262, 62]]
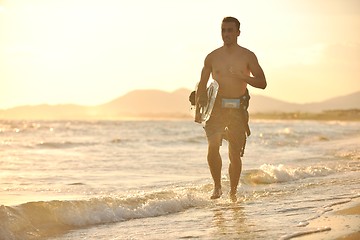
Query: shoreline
[[339, 222], [352, 115]]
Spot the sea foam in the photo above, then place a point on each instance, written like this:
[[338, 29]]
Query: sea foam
[[268, 173], [37, 219]]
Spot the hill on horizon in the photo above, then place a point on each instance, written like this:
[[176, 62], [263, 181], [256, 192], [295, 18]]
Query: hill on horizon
[[162, 104]]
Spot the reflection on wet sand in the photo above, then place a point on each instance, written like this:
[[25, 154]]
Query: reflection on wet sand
[[229, 219]]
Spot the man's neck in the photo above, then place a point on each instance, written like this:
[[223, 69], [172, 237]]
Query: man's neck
[[230, 47]]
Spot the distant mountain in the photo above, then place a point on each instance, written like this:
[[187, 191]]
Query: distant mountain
[[351, 101], [142, 103], [260, 103], [266, 104], [161, 104]]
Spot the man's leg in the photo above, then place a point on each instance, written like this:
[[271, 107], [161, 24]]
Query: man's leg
[[235, 167], [215, 163]]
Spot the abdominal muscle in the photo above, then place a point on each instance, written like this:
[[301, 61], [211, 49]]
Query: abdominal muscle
[[230, 87]]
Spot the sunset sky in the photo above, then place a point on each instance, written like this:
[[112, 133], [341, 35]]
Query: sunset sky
[[89, 52]]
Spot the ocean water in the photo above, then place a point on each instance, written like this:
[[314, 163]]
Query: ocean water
[[67, 180]]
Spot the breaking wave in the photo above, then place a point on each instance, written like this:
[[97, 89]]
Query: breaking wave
[[36, 220], [268, 173]]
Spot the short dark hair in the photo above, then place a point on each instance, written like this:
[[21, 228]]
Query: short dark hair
[[232, 19]]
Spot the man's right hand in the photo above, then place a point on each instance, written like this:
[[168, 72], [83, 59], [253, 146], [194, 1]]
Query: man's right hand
[[203, 99]]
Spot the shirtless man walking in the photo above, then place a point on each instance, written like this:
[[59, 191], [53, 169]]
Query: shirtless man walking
[[231, 66]]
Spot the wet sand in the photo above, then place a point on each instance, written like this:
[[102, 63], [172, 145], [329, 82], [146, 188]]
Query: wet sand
[[340, 223]]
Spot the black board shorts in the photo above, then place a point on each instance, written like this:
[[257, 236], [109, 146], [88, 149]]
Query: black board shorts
[[229, 123]]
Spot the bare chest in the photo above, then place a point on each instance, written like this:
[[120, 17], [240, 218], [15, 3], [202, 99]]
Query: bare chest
[[225, 69], [226, 66]]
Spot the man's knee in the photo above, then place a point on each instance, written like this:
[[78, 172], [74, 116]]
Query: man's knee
[[235, 148], [235, 154], [214, 141], [213, 150]]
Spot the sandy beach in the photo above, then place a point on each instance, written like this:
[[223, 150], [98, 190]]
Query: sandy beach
[[338, 222]]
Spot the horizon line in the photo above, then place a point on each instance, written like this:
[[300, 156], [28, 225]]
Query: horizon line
[[166, 91]]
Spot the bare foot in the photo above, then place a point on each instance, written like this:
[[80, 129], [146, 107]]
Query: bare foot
[[216, 193], [232, 195]]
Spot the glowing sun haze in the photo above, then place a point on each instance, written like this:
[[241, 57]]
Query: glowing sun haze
[[90, 51]]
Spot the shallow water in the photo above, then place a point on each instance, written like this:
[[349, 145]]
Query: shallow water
[[150, 180]]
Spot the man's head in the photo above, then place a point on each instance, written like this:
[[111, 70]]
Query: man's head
[[230, 30], [233, 20]]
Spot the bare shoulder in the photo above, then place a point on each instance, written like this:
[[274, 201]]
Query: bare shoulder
[[214, 53], [246, 52], [212, 56]]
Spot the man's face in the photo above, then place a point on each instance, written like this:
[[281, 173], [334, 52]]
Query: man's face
[[229, 32]]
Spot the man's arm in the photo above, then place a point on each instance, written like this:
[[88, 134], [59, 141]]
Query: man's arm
[[201, 95], [258, 80]]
